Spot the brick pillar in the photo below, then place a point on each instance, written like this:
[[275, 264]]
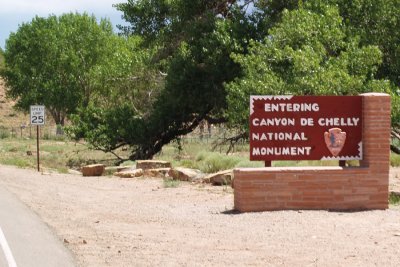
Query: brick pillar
[[376, 131], [376, 139]]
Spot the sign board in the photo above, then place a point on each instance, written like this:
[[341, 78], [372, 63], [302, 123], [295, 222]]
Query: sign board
[[37, 115], [305, 128]]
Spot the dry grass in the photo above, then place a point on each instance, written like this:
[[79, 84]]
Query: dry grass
[[55, 155]]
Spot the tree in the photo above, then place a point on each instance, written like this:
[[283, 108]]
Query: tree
[[372, 23], [53, 61], [378, 23], [117, 115], [192, 43], [308, 53]]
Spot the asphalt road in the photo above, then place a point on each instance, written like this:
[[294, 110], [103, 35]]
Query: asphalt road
[[30, 241]]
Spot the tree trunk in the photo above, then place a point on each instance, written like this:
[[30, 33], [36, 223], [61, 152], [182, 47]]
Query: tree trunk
[[395, 149], [147, 151]]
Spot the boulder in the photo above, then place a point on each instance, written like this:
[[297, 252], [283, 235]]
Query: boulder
[[186, 174], [129, 173], [220, 178], [159, 172], [152, 164], [93, 170], [119, 168]]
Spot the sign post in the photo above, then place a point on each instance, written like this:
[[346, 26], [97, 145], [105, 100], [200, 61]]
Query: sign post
[[37, 117]]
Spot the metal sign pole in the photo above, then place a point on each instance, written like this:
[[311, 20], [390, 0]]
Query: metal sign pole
[[37, 147], [38, 117]]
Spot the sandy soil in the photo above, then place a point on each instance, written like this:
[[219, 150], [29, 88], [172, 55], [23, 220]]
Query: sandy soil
[[137, 222]]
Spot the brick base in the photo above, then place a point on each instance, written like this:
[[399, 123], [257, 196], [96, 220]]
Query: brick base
[[336, 188]]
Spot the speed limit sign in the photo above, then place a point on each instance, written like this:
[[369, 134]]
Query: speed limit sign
[[37, 115]]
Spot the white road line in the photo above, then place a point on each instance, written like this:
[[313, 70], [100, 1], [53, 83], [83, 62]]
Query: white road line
[[7, 250]]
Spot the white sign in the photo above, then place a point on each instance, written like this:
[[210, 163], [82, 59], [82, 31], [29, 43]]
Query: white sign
[[37, 115]]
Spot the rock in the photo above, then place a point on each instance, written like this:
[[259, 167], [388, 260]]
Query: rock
[[152, 164], [119, 168], [159, 172], [93, 170], [220, 178], [130, 173], [185, 174]]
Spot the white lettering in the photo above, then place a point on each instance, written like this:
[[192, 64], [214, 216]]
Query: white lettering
[[256, 122], [273, 122], [280, 136], [306, 121], [291, 107], [281, 151], [256, 151], [338, 121]]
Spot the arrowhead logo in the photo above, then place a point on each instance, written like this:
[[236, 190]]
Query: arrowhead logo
[[334, 140]]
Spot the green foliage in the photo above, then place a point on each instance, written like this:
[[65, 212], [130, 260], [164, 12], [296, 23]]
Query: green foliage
[[376, 22], [109, 128], [54, 155], [117, 114], [202, 59], [4, 132], [211, 162], [147, 17], [57, 61], [19, 162], [394, 198], [190, 45], [394, 160], [307, 53], [51, 148]]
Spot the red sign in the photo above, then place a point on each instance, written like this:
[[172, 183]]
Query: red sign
[[305, 128]]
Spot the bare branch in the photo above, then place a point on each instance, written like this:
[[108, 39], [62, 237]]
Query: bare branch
[[232, 141], [395, 134], [395, 149]]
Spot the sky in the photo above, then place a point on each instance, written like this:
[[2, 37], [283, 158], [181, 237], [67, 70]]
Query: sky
[[15, 12]]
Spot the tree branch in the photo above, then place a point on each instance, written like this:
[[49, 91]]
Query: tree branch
[[232, 141], [395, 149]]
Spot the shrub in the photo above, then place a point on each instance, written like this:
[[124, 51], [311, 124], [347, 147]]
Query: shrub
[[394, 160], [394, 198], [19, 162], [168, 183], [210, 162], [4, 133]]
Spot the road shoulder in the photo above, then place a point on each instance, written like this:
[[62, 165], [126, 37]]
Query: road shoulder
[[31, 241]]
